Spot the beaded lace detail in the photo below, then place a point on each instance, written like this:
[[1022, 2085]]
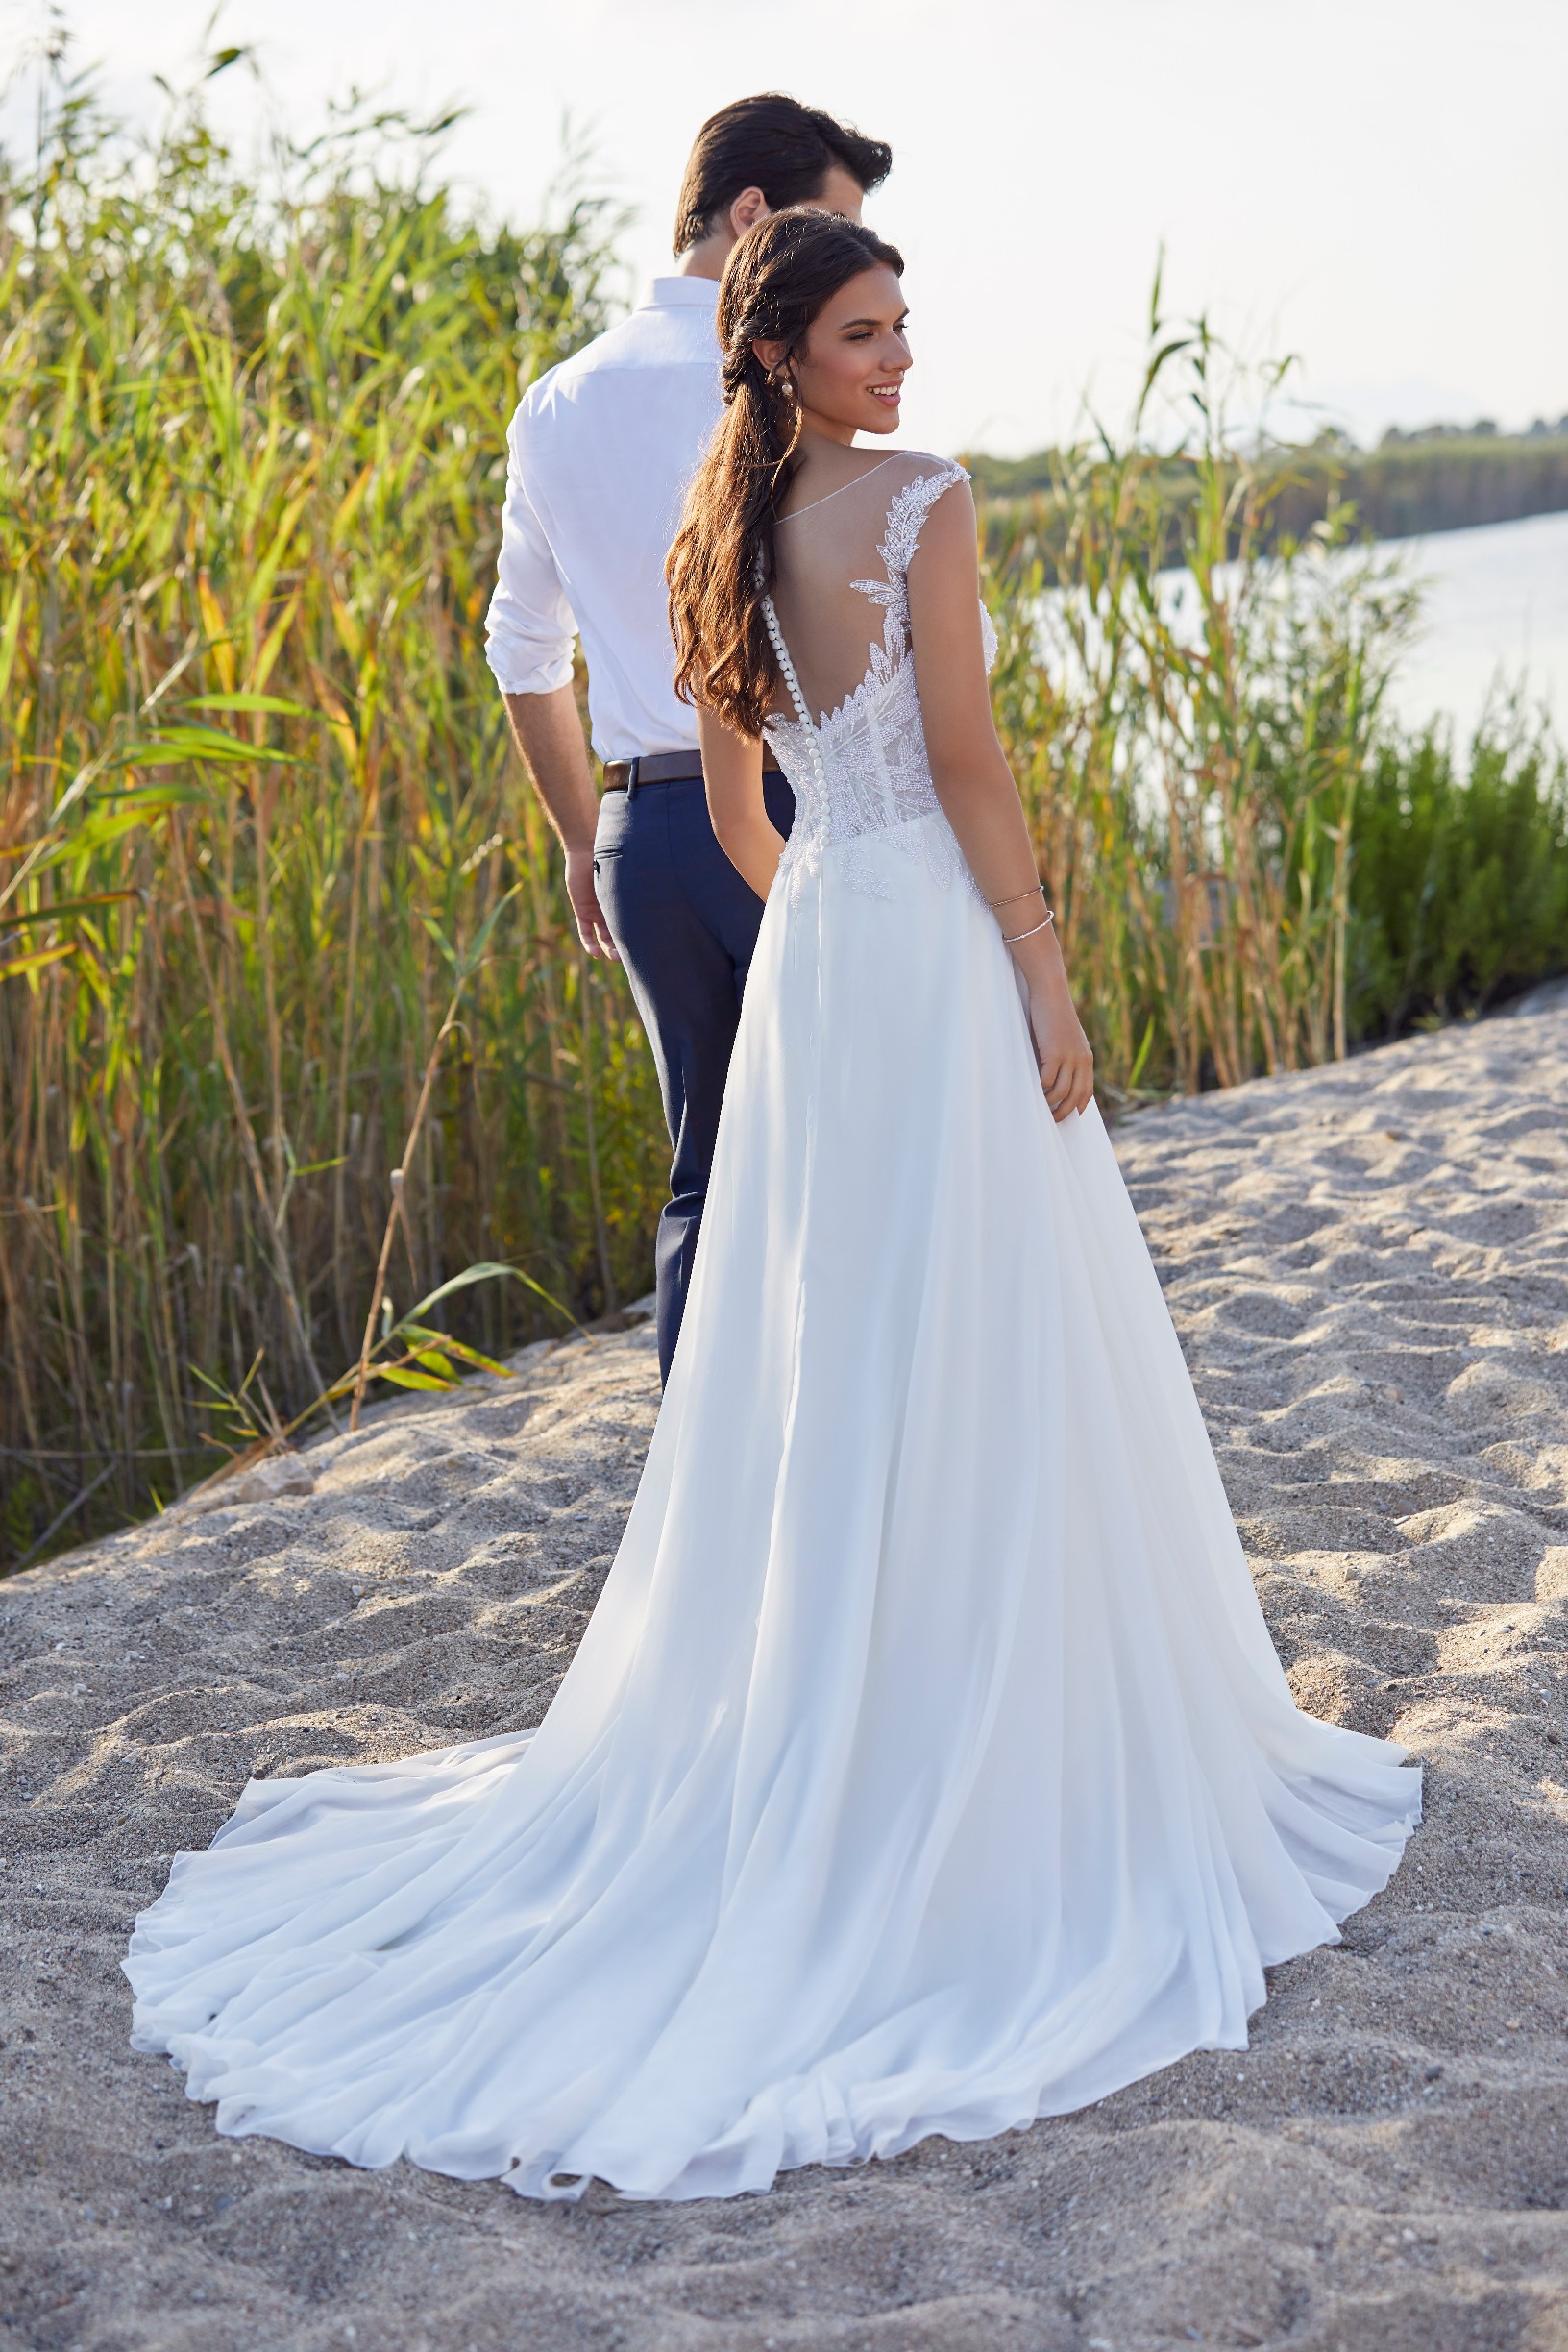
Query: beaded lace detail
[[861, 771]]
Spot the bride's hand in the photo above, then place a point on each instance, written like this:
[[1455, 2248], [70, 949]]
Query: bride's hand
[[1066, 1063]]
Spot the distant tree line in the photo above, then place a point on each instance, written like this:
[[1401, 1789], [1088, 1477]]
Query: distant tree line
[[1444, 478]]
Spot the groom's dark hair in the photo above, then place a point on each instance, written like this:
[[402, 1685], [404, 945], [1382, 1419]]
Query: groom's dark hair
[[774, 143]]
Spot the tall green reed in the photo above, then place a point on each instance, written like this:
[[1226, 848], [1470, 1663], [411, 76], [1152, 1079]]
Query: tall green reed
[[256, 799], [1190, 723]]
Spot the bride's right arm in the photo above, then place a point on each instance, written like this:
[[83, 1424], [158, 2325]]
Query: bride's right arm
[[974, 784], [732, 775]]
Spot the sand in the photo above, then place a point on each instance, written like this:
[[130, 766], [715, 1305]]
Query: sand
[[1369, 1268]]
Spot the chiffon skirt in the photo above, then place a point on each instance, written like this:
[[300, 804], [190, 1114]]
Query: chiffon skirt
[[925, 1767]]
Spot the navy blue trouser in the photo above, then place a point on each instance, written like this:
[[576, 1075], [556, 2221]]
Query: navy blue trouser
[[685, 924]]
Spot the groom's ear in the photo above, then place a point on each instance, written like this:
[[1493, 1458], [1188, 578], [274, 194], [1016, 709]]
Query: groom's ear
[[749, 207]]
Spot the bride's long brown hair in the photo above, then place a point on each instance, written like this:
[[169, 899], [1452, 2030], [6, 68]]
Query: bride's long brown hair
[[776, 281]]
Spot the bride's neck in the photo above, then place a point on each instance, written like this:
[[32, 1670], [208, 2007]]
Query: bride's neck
[[824, 430]]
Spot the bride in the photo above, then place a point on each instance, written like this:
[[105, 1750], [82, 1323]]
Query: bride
[[925, 1766]]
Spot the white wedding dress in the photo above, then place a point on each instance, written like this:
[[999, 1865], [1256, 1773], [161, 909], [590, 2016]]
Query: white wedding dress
[[926, 1766]]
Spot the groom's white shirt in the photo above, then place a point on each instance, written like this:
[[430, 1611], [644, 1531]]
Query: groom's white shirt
[[598, 456]]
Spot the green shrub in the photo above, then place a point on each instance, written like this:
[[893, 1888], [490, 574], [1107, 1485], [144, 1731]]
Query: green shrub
[[1459, 883]]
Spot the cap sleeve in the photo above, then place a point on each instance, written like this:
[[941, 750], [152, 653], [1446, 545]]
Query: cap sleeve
[[911, 504]]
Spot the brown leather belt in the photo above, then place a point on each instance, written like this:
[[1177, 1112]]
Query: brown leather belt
[[664, 768]]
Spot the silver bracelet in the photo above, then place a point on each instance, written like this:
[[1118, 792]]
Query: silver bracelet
[[1051, 917]]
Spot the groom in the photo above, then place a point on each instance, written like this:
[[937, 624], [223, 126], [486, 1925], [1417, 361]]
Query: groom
[[599, 451]]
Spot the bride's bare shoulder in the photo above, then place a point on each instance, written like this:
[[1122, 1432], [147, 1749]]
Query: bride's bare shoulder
[[926, 462]]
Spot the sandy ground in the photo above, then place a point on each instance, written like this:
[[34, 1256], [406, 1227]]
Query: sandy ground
[[1369, 1268]]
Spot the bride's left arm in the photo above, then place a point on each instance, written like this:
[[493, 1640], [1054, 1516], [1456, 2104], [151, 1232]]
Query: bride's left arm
[[969, 766], [974, 784], [732, 776]]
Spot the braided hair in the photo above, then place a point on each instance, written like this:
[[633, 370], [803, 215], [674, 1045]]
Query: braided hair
[[721, 564]]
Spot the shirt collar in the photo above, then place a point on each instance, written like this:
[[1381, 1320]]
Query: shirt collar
[[682, 294]]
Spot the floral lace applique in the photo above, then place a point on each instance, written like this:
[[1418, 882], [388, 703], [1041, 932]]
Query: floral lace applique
[[902, 536]]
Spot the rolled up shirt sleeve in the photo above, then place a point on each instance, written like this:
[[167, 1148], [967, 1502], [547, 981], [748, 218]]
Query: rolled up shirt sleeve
[[529, 631]]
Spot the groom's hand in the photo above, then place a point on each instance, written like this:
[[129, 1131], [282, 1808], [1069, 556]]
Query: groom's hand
[[547, 732], [592, 928]]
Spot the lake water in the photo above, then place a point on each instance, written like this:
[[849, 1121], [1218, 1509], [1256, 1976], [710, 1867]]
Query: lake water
[[1495, 609], [1494, 618]]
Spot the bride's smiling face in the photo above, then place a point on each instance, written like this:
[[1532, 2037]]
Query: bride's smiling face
[[848, 377]]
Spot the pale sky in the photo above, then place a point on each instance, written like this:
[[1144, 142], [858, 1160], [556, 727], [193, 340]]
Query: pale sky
[[1379, 187]]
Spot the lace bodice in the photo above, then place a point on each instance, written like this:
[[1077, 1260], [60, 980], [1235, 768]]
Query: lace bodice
[[861, 770]]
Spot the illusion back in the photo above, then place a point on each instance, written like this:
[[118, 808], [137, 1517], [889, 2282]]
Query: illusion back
[[849, 734]]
